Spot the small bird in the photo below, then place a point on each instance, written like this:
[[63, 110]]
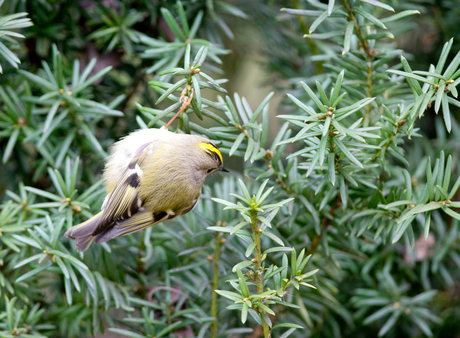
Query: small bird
[[152, 175]]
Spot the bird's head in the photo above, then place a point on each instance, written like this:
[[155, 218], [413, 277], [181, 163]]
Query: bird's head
[[211, 158]]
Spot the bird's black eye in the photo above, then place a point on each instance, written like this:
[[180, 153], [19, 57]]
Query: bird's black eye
[[209, 171]]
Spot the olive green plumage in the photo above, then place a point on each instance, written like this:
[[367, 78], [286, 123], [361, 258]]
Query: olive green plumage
[[152, 175]]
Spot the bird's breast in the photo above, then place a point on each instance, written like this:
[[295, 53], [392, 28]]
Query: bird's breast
[[168, 188]]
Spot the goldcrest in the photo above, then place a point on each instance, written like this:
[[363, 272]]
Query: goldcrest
[[152, 175]]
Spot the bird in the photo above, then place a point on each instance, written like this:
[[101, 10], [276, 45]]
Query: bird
[[152, 175]]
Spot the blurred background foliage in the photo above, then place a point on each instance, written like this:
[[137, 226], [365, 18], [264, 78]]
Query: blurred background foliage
[[358, 181]]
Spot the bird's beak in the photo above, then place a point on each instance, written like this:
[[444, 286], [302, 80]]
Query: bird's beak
[[223, 169]]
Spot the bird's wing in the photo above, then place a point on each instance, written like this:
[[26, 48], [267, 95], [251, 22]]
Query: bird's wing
[[124, 200], [140, 220]]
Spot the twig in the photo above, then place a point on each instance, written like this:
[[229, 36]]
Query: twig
[[367, 115], [135, 88], [305, 30], [324, 224], [369, 55], [390, 140], [359, 32], [215, 283], [258, 260], [267, 159]]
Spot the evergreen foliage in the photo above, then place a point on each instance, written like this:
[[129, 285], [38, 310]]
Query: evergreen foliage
[[345, 222]]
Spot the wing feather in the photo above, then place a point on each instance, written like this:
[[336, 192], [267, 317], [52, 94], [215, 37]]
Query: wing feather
[[124, 200], [140, 220]]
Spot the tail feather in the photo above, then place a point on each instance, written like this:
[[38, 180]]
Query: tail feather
[[83, 233]]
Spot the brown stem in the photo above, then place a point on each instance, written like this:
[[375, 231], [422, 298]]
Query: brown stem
[[258, 260], [267, 158], [305, 30], [135, 88], [369, 53], [324, 224], [358, 30], [215, 283], [140, 265], [389, 141], [367, 115]]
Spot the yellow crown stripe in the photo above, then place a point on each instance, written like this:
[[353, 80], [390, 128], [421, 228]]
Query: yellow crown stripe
[[212, 148]]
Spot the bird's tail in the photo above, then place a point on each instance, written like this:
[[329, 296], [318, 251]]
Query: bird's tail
[[83, 233]]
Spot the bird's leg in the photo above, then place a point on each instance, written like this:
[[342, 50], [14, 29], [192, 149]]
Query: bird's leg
[[186, 103]]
